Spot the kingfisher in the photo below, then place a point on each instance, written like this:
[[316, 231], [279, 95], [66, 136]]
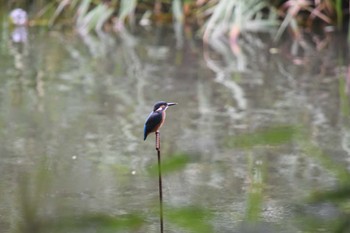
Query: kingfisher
[[156, 119]]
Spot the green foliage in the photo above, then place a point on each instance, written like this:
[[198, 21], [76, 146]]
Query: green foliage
[[221, 17], [255, 191], [339, 11], [315, 152], [95, 18], [236, 17], [273, 136], [31, 190], [170, 164], [321, 225], [99, 222], [126, 8], [59, 9], [338, 196], [344, 99], [193, 219]]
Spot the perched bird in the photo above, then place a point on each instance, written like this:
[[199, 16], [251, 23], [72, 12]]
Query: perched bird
[[156, 119]]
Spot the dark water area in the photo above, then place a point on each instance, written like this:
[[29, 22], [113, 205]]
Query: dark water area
[[72, 110]]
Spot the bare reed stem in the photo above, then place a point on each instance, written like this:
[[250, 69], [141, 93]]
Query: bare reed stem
[[160, 182]]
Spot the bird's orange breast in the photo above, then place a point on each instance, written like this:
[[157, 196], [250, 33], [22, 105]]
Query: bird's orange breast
[[161, 122]]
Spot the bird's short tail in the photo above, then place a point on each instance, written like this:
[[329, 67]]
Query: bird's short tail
[[145, 133]]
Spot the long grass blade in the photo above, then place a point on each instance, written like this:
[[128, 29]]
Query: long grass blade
[[63, 4], [95, 18], [217, 14], [177, 10], [286, 21], [339, 10], [126, 7], [82, 10], [106, 14]]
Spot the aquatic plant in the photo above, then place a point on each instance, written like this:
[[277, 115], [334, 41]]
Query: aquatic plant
[[291, 9], [214, 17], [235, 17]]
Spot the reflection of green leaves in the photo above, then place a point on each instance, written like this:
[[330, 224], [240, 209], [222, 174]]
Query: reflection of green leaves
[[310, 224], [273, 136], [99, 222], [256, 188], [339, 194], [340, 223], [170, 164], [31, 187], [104, 222], [339, 10], [344, 101], [339, 171], [193, 219]]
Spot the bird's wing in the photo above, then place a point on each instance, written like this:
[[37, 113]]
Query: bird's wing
[[153, 120]]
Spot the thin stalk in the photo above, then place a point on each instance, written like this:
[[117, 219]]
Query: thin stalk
[[339, 10], [160, 183]]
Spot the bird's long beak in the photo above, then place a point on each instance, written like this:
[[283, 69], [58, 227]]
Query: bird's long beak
[[171, 104]]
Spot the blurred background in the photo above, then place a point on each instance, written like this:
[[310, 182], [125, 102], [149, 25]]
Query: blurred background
[[259, 140]]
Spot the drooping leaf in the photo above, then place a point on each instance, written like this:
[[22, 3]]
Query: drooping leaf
[[82, 10], [126, 8]]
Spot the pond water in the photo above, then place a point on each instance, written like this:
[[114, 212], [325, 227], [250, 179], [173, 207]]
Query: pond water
[[72, 110]]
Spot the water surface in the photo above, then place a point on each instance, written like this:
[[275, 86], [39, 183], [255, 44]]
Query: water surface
[[72, 110]]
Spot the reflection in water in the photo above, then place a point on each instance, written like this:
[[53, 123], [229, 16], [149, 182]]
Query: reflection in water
[[19, 34], [93, 94], [19, 18], [347, 78]]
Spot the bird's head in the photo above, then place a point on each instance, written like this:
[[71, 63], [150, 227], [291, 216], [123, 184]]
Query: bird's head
[[161, 106]]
